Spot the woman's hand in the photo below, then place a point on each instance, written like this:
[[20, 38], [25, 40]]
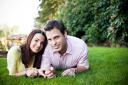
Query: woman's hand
[[31, 72]]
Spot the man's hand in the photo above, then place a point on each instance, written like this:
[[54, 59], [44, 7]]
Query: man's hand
[[50, 73], [69, 72]]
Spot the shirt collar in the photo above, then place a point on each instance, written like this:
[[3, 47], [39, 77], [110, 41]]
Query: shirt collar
[[69, 48]]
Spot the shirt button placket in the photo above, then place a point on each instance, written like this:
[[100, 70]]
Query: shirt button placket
[[61, 62]]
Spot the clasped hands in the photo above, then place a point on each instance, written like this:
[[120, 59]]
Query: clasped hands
[[33, 72], [50, 73]]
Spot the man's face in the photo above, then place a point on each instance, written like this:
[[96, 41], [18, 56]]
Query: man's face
[[56, 40]]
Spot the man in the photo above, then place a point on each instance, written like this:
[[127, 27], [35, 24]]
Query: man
[[63, 51]]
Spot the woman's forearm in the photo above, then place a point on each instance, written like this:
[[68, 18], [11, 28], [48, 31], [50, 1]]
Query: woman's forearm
[[19, 74]]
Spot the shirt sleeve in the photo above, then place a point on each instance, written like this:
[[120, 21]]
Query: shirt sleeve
[[84, 57], [45, 63], [12, 59]]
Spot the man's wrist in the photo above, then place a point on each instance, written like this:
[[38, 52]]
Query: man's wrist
[[74, 70]]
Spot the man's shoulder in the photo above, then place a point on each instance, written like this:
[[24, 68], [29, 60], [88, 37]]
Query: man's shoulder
[[48, 48], [75, 41], [77, 45]]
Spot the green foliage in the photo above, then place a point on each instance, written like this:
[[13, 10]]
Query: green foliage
[[95, 21], [76, 16], [110, 69]]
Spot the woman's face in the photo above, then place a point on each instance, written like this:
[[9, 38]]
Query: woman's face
[[36, 44]]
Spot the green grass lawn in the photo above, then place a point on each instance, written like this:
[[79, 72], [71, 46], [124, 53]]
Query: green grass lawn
[[108, 66]]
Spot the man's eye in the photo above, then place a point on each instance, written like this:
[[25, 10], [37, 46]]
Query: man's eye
[[49, 39], [56, 37]]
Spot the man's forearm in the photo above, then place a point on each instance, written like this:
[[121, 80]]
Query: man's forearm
[[80, 69]]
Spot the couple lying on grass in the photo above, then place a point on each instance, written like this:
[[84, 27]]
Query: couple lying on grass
[[37, 58]]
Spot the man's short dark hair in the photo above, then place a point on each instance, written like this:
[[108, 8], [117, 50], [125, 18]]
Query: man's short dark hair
[[51, 24]]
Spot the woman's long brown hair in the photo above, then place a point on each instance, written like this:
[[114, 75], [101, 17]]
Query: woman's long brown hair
[[26, 52]]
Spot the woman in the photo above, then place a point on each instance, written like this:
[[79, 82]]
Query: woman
[[26, 59]]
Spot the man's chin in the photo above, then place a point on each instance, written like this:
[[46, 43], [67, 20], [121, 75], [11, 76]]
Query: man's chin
[[56, 50]]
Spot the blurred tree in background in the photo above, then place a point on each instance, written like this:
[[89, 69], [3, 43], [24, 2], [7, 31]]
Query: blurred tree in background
[[5, 30], [48, 10], [98, 22]]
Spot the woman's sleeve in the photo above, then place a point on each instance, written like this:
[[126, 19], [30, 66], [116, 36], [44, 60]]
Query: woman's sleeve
[[12, 59]]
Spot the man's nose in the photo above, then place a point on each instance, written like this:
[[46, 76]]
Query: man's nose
[[53, 42]]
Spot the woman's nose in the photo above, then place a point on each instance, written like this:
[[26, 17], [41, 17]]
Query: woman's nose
[[38, 44]]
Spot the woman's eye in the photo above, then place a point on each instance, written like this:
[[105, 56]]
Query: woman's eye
[[36, 40]]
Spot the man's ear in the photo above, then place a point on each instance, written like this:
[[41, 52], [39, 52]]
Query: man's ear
[[65, 34]]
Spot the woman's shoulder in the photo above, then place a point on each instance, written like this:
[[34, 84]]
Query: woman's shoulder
[[14, 56], [15, 50]]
